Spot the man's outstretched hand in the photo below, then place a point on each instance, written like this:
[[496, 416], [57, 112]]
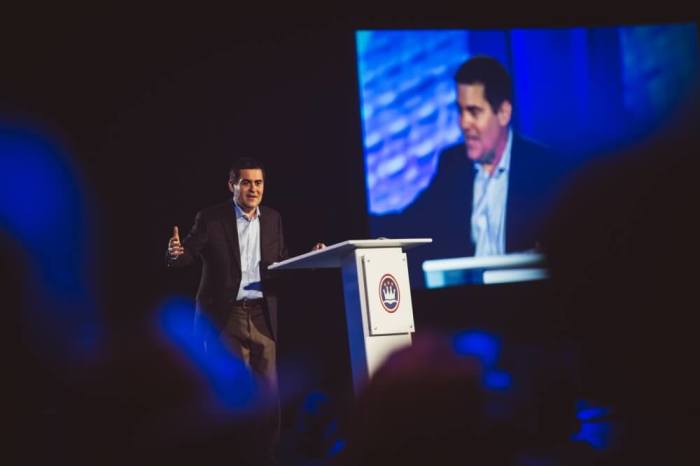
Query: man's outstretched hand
[[175, 249]]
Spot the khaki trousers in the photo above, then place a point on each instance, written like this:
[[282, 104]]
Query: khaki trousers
[[247, 335]]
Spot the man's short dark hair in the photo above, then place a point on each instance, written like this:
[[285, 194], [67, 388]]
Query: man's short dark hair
[[492, 74], [244, 163]]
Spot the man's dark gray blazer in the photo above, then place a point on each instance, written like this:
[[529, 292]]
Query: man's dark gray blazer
[[443, 210], [214, 240]]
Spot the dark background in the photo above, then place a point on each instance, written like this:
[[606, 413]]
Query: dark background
[[153, 105]]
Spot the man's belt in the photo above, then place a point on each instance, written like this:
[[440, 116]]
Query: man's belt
[[246, 302]]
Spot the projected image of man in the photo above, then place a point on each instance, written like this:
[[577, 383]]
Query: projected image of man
[[487, 136], [491, 191]]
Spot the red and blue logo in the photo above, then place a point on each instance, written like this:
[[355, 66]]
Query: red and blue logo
[[389, 293]]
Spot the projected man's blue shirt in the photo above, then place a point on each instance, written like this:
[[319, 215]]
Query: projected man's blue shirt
[[488, 218]]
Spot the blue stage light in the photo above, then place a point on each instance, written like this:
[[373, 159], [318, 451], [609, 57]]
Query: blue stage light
[[497, 380], [229, 378], [43, 210], [481, 345]]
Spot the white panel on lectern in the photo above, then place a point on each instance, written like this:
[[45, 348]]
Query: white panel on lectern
[[389, 304]]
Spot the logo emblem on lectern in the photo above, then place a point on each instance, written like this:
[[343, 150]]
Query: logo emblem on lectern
[[389, 294]]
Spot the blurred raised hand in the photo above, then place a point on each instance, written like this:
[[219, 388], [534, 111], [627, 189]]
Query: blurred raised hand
[[175, 248]]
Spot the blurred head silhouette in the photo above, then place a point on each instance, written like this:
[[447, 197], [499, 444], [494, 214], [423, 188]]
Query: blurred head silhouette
[[425, 405], [621, 248]]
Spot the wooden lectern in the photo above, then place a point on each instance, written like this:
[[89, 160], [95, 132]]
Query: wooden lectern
[[377, 293]]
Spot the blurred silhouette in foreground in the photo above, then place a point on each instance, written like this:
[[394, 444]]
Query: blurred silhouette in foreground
[[451, 402], [622, 249], [425, 405]]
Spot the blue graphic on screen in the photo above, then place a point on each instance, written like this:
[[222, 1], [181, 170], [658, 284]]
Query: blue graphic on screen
[[578, 91], [407, 109]]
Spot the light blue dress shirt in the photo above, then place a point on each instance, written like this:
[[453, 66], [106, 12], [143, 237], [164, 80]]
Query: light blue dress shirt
[[249, 244], [488, 222]]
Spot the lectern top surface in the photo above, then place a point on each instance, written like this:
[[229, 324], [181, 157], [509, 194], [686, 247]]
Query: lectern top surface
[[332, 255]]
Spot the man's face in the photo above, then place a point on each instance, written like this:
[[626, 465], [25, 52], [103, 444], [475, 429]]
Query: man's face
[[485, 132], [248, 191]]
